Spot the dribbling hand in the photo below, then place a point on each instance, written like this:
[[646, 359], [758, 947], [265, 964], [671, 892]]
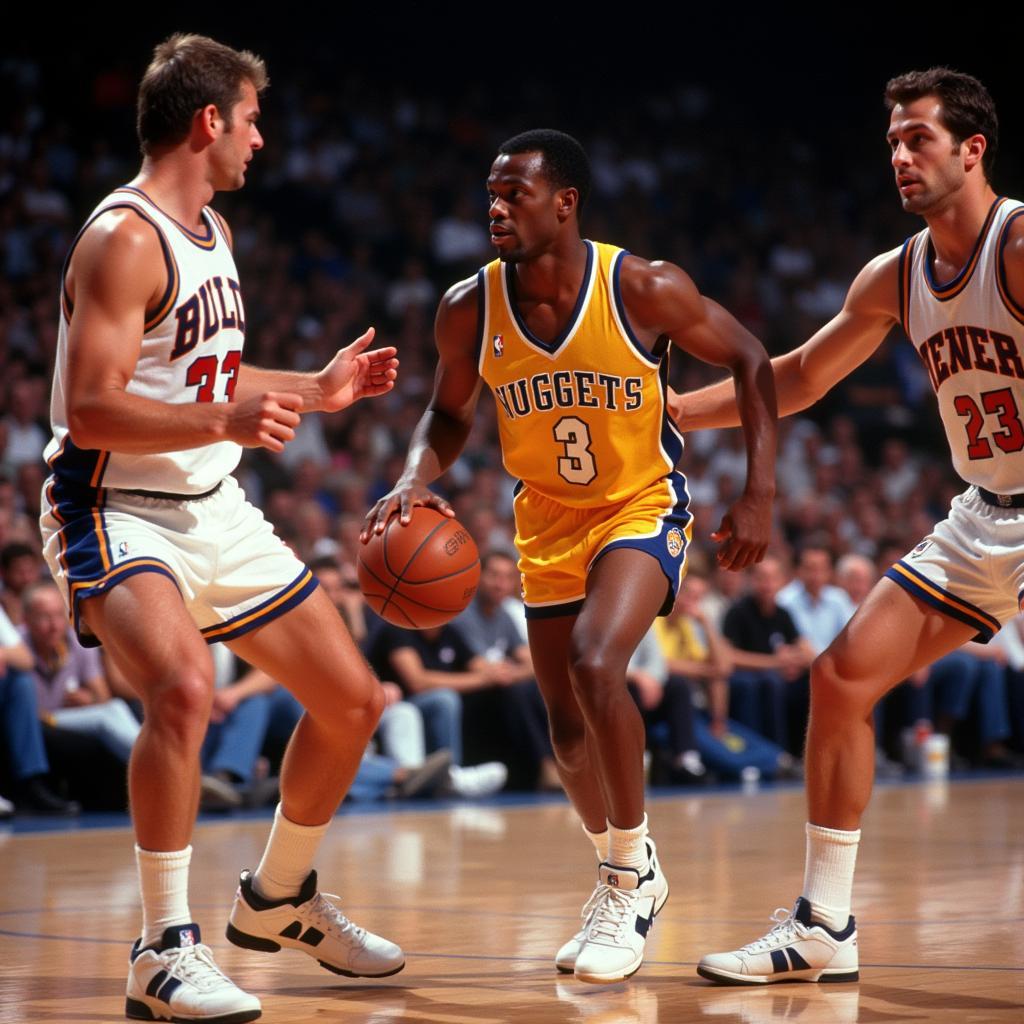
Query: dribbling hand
[[402, 499]]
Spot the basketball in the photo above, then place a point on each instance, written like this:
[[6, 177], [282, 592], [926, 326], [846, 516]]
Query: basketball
[[420, 575]]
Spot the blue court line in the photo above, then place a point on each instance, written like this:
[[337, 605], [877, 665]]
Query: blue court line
[[524, 959], [22, 825]]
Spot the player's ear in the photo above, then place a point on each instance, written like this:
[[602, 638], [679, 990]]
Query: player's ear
[[974, 149], [568, 200], [207, 122]]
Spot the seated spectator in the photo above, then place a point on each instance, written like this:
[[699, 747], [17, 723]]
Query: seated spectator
[[20, 567], [70, 688], [493, 636], [434, 668], [23, 731], [697, 655], [770, 656]]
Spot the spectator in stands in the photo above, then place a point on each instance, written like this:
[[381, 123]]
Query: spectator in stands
[[20, 567], [70, 688], [493, 635], [23, 732], [769, 656]]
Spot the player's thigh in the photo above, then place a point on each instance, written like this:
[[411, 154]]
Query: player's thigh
[[890, 637], [626, 588], [549, 650], [310, 651], [145, 627]]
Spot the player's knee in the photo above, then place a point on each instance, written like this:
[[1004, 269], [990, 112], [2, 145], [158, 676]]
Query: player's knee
[[597, 677], [355, 711], [568, 740], [834, 687], [180, 703]]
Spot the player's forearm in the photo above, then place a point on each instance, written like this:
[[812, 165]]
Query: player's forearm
[[254, 381], [755, 396], [436, 443], [121, 422]]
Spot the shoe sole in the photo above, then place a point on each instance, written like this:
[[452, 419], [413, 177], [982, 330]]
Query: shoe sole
[[135, 1009], [824, 977], [611, 979], [254, 942], [571, 969]]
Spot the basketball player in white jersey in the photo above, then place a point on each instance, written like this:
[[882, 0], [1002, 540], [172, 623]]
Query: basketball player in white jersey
[[158, 552], [957, 290]]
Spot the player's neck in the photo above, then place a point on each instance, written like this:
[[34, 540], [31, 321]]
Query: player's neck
[[178, 186], [955, 228], [557, 273]]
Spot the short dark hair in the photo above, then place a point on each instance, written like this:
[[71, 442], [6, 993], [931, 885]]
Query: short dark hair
[[10, 553], [967, 107], [566, 164], [187, 73]]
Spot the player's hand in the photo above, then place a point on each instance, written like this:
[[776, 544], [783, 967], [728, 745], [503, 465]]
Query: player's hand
[[744, 534], [402, 499], [355, 373], [264, 421]]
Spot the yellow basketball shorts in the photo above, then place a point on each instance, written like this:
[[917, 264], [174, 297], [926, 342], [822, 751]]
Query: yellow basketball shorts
[[558, 545]]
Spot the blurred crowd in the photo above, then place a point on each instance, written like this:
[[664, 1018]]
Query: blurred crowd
[[363, 207]]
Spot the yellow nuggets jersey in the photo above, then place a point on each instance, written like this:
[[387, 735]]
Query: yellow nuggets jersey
[[584, 427], [582, 419]]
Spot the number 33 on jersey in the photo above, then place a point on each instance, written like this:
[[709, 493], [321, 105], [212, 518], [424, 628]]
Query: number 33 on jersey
[[582, 418]]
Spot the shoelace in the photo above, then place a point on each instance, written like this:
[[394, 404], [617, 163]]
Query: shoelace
[[784, 931], [195, 964], [611, 911], [331, 916]]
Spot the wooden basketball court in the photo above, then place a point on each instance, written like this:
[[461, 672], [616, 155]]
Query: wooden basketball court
[[481, 896]]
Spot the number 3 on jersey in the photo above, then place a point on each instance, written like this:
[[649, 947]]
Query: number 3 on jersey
[[576, 463], [1001, 403], [202, 374]]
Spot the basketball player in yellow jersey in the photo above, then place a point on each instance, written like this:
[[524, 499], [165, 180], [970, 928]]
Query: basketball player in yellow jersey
[[571, 336], [957, 289]]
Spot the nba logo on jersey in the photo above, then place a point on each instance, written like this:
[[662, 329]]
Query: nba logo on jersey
[[922, 547], [498, 345], [122, 549], [674, 542]]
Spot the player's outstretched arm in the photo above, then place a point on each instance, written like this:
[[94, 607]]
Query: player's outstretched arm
[[355, 372], [443, 428], [807, 373], [662, 300], [117, 272]]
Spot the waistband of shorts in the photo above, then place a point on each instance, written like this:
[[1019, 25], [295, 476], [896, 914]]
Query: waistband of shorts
[[168, 496], [1001, 500]]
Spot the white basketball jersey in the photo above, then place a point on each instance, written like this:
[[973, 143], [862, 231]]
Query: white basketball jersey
[[191, 352], [969, 333]]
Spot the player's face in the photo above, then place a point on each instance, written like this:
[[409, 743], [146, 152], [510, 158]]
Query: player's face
[[523, 207], [240, 138], [927, 160]]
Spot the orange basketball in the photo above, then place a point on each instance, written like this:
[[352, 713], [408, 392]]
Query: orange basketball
[[420, 575]]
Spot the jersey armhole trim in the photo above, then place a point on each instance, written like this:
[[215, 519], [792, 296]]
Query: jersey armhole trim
[[158, 312], [619, 311], [1013, 308]]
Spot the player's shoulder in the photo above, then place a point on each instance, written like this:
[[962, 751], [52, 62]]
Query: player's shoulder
[[647, 285], [458, 314], [876, 289], [116, 248], [1013, 239]]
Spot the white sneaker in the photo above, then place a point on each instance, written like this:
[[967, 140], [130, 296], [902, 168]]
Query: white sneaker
[[796, 949], [315, 926], [6, 808], [179, 981], [478, 779], [653, 884]]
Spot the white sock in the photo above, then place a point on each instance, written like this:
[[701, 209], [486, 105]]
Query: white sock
[[599, 841], [626, 846], [163, 884], [288, 858], [828, 875]]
